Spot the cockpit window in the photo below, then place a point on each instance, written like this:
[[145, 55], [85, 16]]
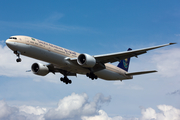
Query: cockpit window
[[13, 38]]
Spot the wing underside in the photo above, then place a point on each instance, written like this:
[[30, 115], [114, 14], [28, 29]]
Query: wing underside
[[54, 69]]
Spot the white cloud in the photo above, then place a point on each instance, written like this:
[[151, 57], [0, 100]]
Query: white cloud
[[148, 113], [168, 62], [9, 67], [77, 107], [14, 113], [73, 107], [68, 105], [32, 110], [8, 64], [166, 113], [5, 110], [102, 116]]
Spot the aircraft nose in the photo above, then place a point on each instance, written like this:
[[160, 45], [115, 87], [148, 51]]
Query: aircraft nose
[[10, 44]]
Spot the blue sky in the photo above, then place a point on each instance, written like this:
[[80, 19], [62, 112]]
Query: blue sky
[[93, 27]]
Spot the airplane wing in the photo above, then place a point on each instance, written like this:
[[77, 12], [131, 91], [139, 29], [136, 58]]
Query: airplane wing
[[54, 69], [113, 57]]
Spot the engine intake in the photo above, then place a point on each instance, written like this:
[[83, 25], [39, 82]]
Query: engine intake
[[86, 60], [39, 69]]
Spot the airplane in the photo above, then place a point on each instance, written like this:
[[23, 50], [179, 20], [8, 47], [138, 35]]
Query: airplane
[[70, 63]]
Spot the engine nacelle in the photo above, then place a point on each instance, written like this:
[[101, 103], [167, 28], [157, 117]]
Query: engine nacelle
[[86, 60], [39, 69]]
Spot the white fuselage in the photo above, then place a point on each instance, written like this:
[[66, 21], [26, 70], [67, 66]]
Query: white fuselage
[[58, 56]]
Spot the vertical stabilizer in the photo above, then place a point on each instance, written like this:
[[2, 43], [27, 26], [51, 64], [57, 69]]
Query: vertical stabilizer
[[124, 64]]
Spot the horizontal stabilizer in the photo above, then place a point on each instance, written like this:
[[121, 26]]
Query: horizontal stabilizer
[[139, 73]]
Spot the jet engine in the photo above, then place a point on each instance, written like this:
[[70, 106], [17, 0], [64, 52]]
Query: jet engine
[[86, 60], [39, 69]]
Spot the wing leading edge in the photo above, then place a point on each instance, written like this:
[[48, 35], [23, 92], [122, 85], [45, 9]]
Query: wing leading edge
[[127, 54]]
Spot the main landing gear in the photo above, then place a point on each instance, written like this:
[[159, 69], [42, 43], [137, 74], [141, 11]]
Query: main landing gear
[[65, 80], [18, 55], [91, 75]]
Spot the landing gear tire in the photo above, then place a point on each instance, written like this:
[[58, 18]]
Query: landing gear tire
[[70, 81], [87, 74], [18, 55], [62, 79], [91, 75], [18, 60], [66, 80]]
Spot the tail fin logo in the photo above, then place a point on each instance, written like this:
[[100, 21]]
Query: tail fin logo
[[125, 63]]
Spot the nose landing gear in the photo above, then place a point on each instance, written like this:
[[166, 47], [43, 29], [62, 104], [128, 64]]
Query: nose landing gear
[[18, 55]]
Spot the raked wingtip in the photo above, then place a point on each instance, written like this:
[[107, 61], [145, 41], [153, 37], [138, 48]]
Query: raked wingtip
[[172, 43]]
